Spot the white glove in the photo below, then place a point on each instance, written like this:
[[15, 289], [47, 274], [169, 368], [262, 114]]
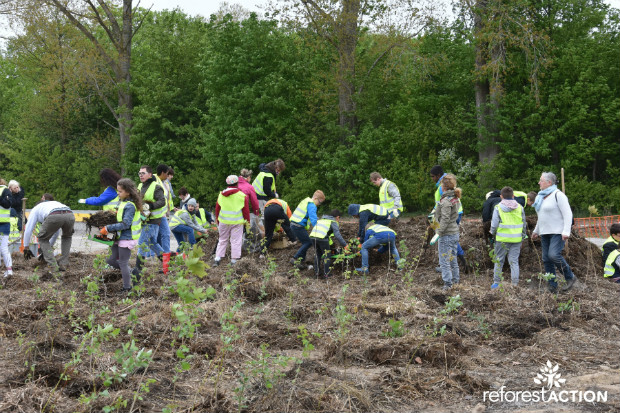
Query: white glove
[[277, 196], [395, 213], [81, 201]]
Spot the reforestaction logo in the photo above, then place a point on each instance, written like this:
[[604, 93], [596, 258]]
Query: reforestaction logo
[[551, 380]]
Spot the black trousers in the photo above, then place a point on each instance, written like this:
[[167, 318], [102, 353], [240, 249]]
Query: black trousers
[[273, 213], [322, 256]]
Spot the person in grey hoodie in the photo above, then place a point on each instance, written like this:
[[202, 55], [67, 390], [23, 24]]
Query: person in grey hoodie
[[183, 223], [509, 228], [446, 214]]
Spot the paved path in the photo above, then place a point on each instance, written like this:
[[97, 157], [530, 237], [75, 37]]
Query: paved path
[[81, 243]]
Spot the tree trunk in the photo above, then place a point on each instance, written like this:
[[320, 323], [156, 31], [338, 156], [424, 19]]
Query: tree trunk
[[125, 99], [486, 106], [347, 36]]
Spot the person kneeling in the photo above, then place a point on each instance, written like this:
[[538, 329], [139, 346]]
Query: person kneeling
[[376, 235], [321, 234], [183, 224]]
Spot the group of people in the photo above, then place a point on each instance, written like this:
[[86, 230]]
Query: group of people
[[509, 228], [249, 211]]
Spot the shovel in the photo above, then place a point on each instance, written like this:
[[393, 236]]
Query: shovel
[[21, 247]]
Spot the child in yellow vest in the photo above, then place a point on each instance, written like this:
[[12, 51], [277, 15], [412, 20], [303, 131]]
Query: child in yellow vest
[[509, 228], [231, 213]]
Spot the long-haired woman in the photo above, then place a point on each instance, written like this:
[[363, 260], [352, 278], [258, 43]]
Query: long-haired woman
[[129, 226]]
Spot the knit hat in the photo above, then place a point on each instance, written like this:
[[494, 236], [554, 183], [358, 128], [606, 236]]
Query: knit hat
[[191, 202], [232, 180]]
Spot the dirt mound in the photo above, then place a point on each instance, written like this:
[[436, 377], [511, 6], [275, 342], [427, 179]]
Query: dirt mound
[[262, 335]]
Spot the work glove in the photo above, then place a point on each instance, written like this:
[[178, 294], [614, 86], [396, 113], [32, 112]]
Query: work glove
[[81, 201], [346, 249], [103, 231], [277, 196], [28, 254], [395, 213], [248, 227], [41, 258]]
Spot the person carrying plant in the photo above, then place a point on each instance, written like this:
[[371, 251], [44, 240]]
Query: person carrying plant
[[509, 228], [367, 213], [446, 214], [128, 227], [231, 212], [321, 236], [276, 211], [375, 235], [304, 216]]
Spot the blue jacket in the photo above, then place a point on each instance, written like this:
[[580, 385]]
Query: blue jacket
[[311, 215], [107, 195], [125, 226], [382, 237], [365, 218]]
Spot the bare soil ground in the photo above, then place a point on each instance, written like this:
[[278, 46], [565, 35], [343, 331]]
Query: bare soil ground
[[67, 342]]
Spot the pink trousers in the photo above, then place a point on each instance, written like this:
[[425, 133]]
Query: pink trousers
[[234, 233]]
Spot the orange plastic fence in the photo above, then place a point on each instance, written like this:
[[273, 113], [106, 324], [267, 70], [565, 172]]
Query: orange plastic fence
[[597, 227]]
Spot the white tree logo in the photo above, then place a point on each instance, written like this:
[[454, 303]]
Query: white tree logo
[[549, 376]]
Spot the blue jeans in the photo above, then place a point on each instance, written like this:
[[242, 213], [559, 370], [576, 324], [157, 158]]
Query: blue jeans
[[446, 247], [459, 250], [552, 246], [302, 235], [148, 240], [373, 242], [179, 231], [163, 237]]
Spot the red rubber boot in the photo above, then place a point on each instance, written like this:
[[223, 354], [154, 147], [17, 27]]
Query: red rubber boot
[[166, 262]]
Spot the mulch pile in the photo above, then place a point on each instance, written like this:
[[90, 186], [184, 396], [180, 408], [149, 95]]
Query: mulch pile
[[100, 219]]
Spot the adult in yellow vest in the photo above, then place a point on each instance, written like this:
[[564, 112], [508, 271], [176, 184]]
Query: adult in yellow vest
[[374, 236], [437, 175], [5, 227], [276, 210], [153, 198], [366, 214], [510, 229], [304, 216], [231, 213], [389, 195], [265, 181], [163, 236], [326, 228], [109, 197], [612, 243], [183, 223], [128, 228]]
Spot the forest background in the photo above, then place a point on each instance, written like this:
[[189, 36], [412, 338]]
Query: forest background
[[337, 89]]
